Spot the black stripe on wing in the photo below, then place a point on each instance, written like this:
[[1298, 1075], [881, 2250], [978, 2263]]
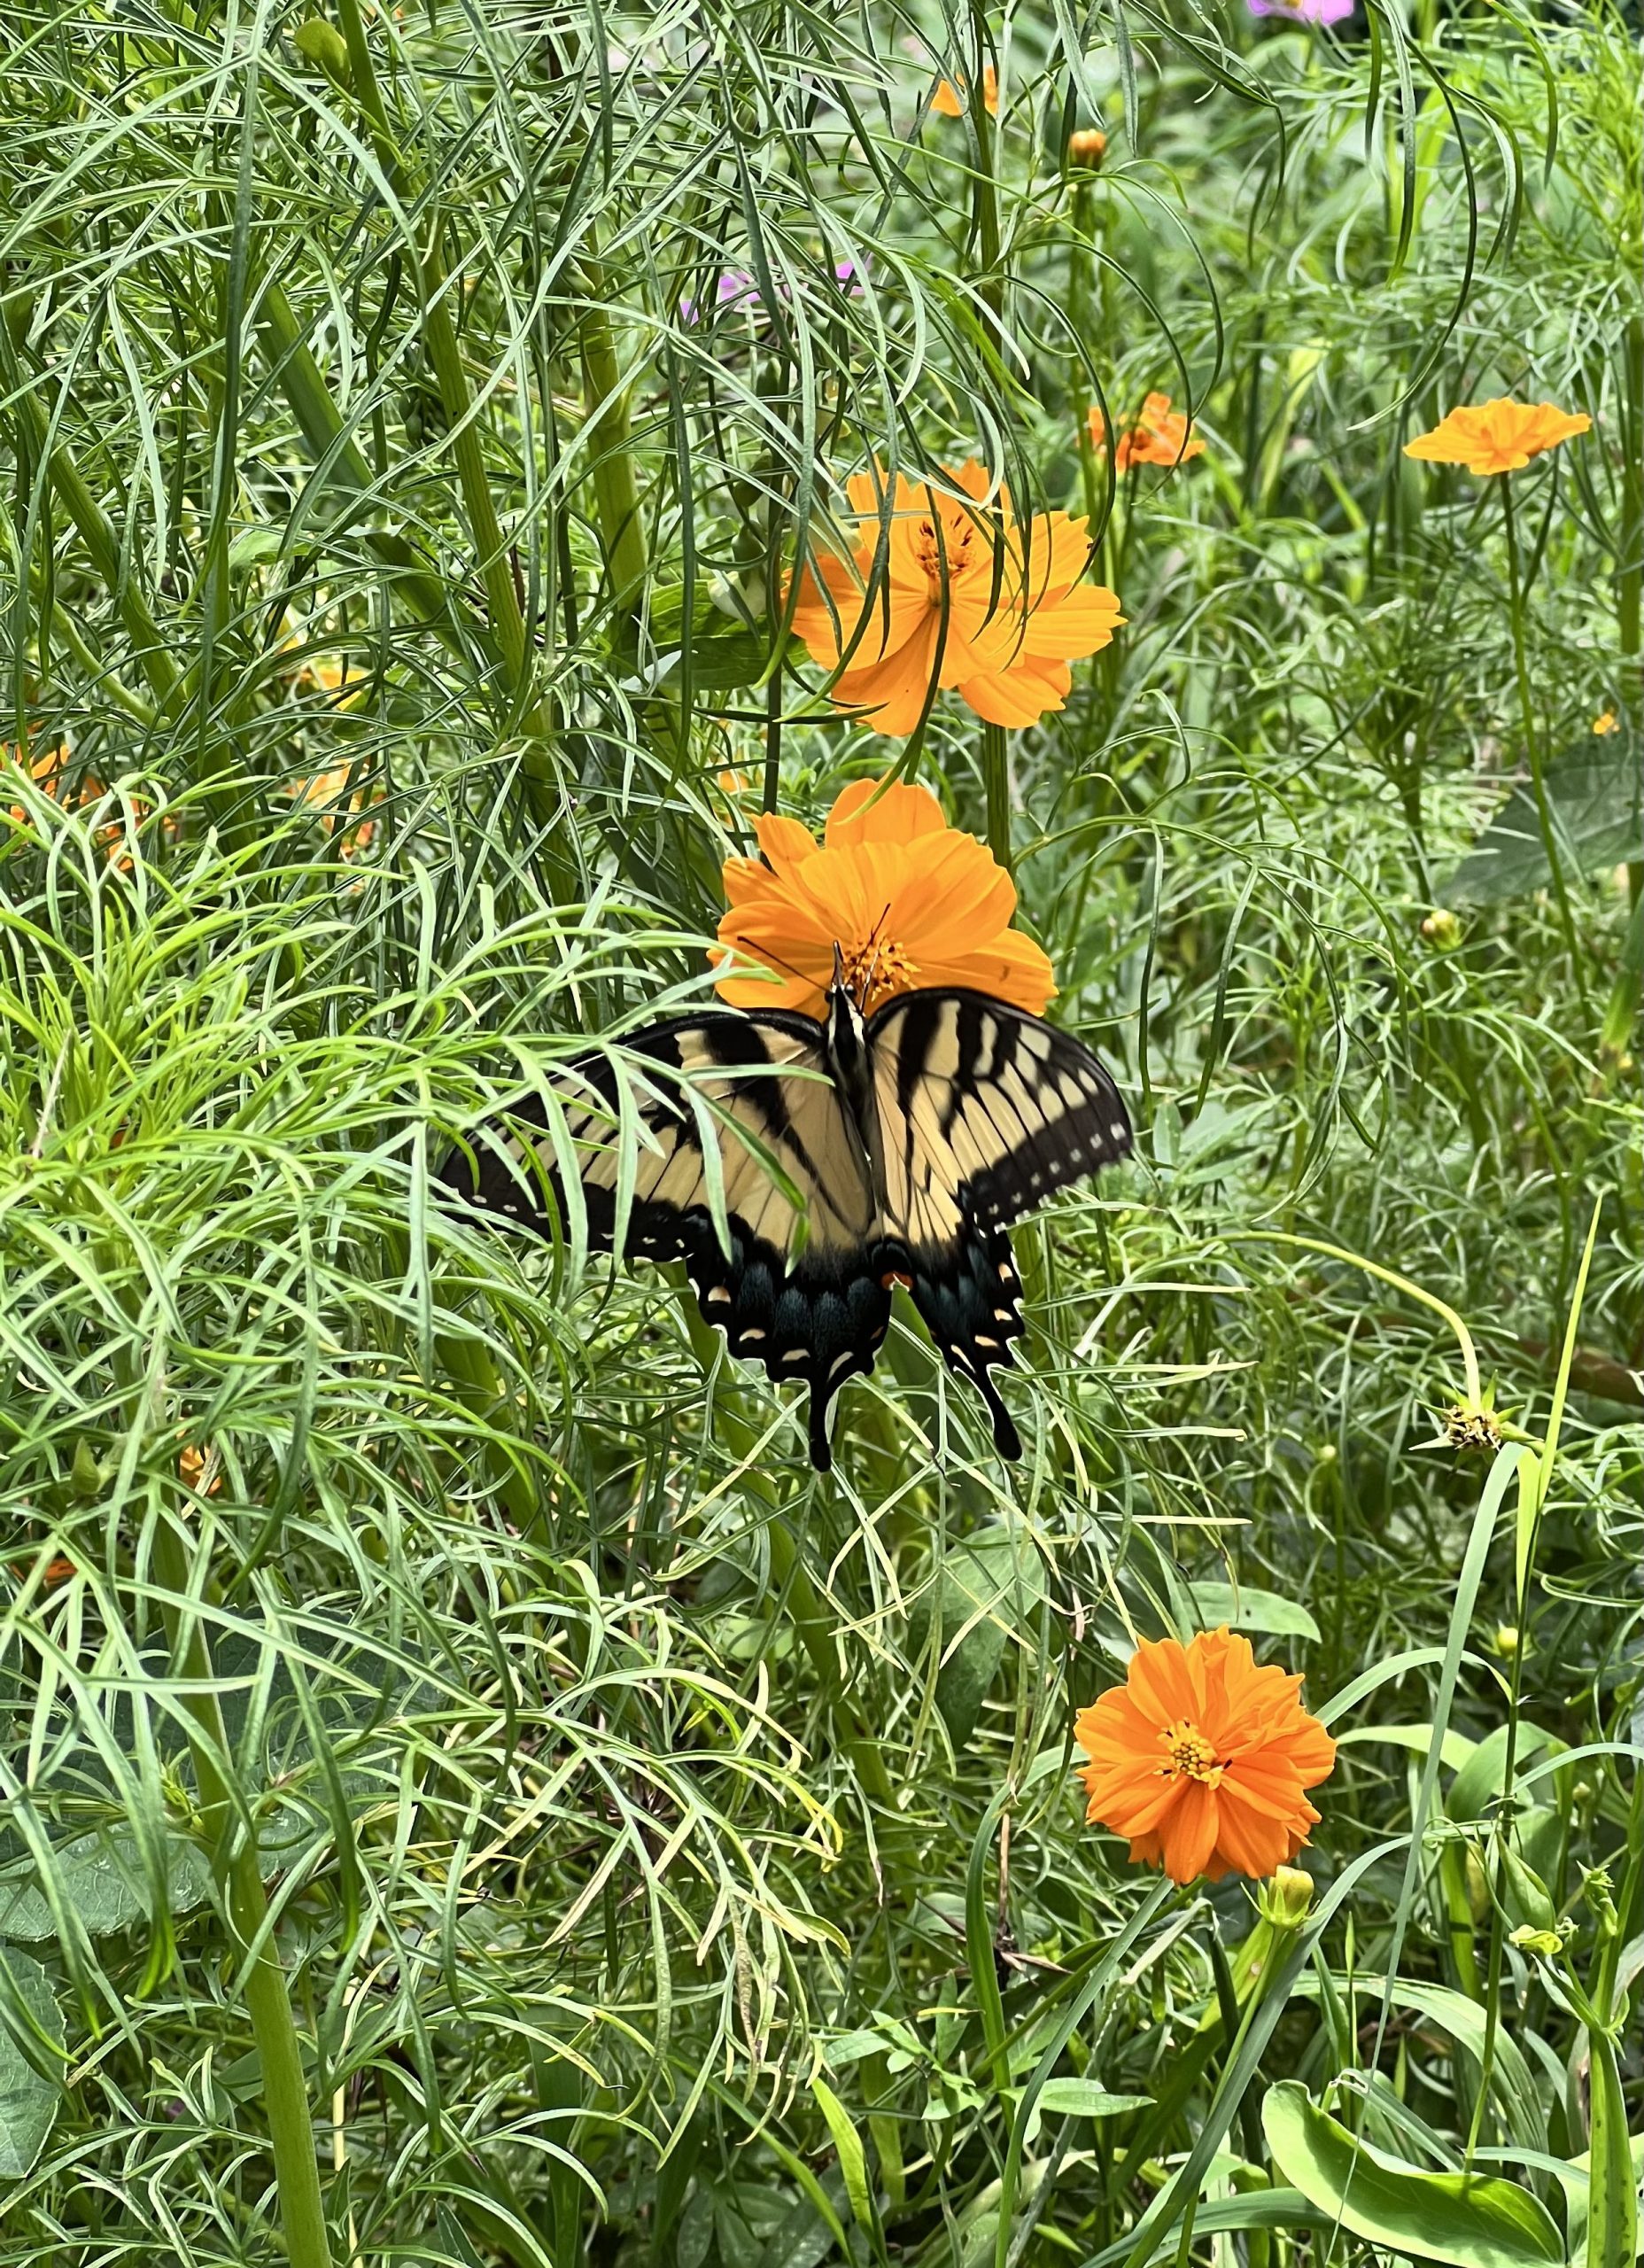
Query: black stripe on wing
[[814, 1319], [1023, 1108], [970, 1297]]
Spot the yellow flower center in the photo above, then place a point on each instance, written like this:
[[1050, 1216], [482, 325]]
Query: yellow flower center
[[875, 972], [946, 557], [1190, 1756]]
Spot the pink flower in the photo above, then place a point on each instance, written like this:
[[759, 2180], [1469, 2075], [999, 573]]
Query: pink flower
[[1305, 12], [736, 287]]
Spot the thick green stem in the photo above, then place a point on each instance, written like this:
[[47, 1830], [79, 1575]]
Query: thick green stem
[[616, 496], [298, 375], [995, 773], [267, 1999], [439, 340], [96, 530], [996, 764], [816, 1633], [1533, 739]]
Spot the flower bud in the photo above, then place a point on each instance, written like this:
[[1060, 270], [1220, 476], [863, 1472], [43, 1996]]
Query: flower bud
[[1506, 1641], [1530, 1939], [1441, 929], [1285, 1900], [1087, 147]]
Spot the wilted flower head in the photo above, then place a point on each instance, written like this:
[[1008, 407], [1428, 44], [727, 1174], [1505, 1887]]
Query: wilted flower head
[[910, 902], [1201, 1759], [963, 596], [1498, 436]]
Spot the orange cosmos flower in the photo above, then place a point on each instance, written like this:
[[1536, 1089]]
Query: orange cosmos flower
[[909, 901], [323, 789], [1497, 436], [1160, 436], [948, 101], [960, 598], [1604, 725], [1201, 1759]]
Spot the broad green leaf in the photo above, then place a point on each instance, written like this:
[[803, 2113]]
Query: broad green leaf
[[100, 1876], [853, 2162], [1084, 2098], [1612, 2230], [1463, 2019], [1462, 2221], [1477, 1783], [28, 2099], [1243, 1607], [990, 1586], [1595, 793], [1452, 1754]]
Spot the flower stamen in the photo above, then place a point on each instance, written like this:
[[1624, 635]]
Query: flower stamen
[[1191, 1755]]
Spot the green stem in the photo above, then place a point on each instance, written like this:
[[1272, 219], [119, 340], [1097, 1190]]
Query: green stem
[[816, 1633], [616, 496], [1533, 739], [267, 1998], [439, 340], [996, 776], [1464, 1338], [319, 421], [96, 530]]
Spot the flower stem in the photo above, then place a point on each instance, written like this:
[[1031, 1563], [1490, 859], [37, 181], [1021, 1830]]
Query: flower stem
[[996, 775], [616, 496], [268, 1997], [439, 339], [1464, 1338], [1532, 742]]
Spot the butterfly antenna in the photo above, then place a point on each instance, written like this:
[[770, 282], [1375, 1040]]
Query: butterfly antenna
[[775, 960], [875, 940]]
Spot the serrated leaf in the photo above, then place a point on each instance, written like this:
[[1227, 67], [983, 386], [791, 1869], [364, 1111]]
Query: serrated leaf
[[1458, 2220], [28, 2099], [100, 1876]]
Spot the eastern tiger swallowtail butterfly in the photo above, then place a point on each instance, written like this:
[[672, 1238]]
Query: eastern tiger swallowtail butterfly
[[913, 1136]]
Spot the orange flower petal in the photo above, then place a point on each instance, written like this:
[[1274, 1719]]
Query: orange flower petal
[[1200, 1759], [909, 901], [1498, 436]]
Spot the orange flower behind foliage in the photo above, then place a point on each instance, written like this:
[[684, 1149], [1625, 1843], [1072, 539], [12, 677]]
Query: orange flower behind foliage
[[46, 772], [1201, 1759], [1498, 436], [910, 902], [949, 101], [322, 790], [1160, 436], [961, 598]]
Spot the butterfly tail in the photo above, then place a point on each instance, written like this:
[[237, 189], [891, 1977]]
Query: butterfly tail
[[971, 1302]]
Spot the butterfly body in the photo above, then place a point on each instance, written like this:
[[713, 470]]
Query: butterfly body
[[912, 1138]]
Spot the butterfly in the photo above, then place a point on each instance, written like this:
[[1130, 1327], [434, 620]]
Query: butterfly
[[849, 1155]]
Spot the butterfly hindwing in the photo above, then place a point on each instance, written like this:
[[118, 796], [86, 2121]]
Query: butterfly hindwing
[[810, 1305], [970, 1297], [983, 1112], [968, 1113]]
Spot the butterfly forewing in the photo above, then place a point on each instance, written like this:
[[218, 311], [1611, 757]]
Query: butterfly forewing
[[733, 1142], [723, 1098], [983, 1111]]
